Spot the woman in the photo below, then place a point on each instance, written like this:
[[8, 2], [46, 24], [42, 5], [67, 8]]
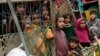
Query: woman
[[61, 41], [82, 32]]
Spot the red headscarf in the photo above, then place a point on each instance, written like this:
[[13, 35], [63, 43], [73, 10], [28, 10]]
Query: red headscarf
[[82, 34]]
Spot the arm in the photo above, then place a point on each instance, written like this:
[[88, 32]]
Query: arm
[[97, 40], [80, 46], [49, 34]]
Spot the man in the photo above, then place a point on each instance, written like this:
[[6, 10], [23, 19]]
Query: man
[[94, 26]]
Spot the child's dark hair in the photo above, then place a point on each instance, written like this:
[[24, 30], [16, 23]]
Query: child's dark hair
[[44, 6], [66, 15], [74, 40], [20, 6], [92, 12], [35, 13]]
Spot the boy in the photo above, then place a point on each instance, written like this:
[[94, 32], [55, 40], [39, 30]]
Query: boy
[[94, 26]]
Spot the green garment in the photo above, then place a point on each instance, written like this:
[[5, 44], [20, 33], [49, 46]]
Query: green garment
[[70, 32]]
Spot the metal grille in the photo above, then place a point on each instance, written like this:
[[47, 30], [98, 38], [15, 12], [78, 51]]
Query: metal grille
[[23, 10], [29, 8]]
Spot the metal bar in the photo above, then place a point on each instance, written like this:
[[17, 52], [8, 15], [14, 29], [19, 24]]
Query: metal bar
[[40, 14], [2, 19], [18, 27], [99, 4], [52, 13]]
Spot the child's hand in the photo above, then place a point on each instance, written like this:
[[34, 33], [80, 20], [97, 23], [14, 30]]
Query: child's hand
[[70, 53], [74, 52]]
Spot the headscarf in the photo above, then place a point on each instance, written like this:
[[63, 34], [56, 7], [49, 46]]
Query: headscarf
[[82, 34]]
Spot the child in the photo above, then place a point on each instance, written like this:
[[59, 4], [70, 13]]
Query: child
[[94, 26], [27, 24], [35, 31], [74, 48], [20, 13], [47, 28], [61, 41], [45, 11], [47, 21], [82, 32], [69, 27]]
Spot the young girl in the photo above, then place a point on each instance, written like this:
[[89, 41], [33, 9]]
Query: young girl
[[45, 11], [47, 21], [82, 32], [61, 42], [74, 48], [20, 13], [34, 32], [69, 27]]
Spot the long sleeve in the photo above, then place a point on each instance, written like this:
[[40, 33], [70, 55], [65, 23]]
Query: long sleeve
[[49, 34]]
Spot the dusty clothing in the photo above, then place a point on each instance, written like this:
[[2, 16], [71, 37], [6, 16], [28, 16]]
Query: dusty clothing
[[94, 27], [61, 43]]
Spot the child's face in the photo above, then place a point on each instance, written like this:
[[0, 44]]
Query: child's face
[[82, 24], [21, 10], [67, 20], [60, 22], [72, 45], [27, 21], [93, 16], [47, 21], [36, 19], [44, 8], [45, 13]]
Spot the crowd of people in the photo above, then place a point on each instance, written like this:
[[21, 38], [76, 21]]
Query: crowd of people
[[69, 38], [37, 24], [72, 38]]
